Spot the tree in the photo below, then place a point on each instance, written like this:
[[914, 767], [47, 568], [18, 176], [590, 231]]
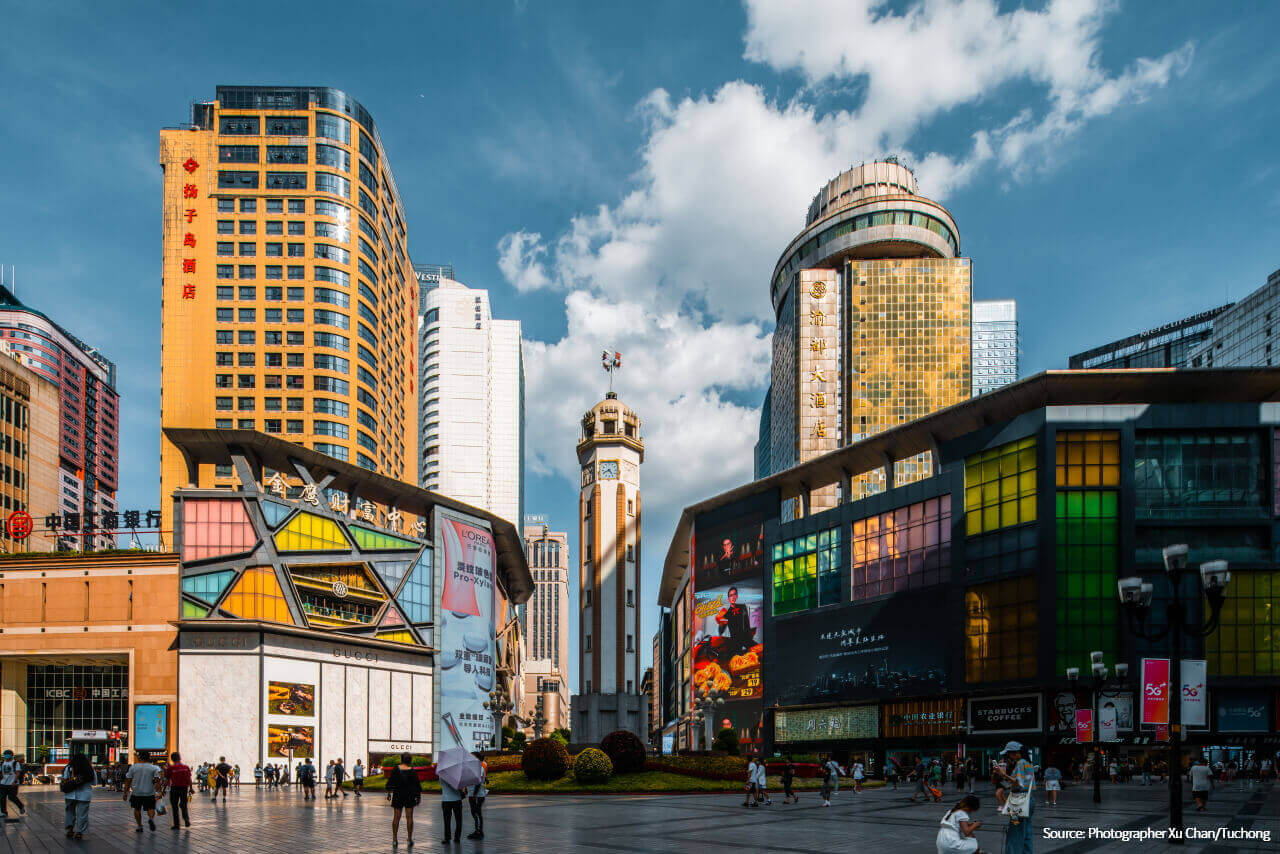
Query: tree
[[517, 741], [558, 736], [564, 734], [726, 740], [508, 733]]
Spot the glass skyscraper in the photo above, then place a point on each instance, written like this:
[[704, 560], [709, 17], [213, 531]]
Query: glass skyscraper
[[995, 344]]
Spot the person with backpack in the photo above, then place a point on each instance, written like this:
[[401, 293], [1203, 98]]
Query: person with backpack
[[78, 779], [404, 790], [10, 777], [956, 834], [788, 776], [307, 777], [177, 778]]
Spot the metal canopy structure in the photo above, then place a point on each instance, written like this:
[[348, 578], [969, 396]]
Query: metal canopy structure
[[1161, 386]]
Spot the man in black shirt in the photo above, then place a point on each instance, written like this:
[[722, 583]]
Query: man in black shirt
[[735, 620], [221, 778], [339, 774]]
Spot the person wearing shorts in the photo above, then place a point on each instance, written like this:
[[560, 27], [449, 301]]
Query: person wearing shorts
[[221, 778], [1052, 784], [1201, 784], [140, 789]]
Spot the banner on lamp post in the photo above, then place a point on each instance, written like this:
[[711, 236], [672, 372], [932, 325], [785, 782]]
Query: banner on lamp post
[[1084, 726], [1155, 691], [1195, 693], [1107, 722]]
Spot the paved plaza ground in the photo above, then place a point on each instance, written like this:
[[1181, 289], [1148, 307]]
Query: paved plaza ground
[[277, 821]]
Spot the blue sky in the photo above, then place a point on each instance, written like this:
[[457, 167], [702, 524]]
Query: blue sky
[[626, 174]]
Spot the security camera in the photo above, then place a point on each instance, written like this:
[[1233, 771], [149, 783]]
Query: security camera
[[1122, 670], [1175, 557], [1096, 658], [1130, 589], [1100, 670], [1214, 576], [1073, 673]]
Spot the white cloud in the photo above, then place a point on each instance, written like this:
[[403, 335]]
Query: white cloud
[[675, 273]]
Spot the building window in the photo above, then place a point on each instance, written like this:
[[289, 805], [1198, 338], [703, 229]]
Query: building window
[[631, 598], [1245, 642], [1088, 458], [631, 507], [1088, 534], [806, 572], [1000, 630], [586, 646], [902, 549], [1000, 487], [1179, 475]]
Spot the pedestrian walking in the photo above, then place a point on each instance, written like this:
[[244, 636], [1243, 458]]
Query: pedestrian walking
[[751, 798], [858, 774], [919, 773], [78, 779], [450, 808], [177, 779], [956, 836], [788, 776], [357, 777], [10, 778], [140, 789], [1201, 784], [339, 776], [762, 784], [221, 779], [404, 790], [307, 777], [958, 774], [830, 780], [328, 780], [258, 775], [891, 772], [1052, 785], [475, 799], [1019, 836]]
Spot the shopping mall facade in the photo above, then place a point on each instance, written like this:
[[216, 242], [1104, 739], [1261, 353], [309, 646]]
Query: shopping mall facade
[[316, 609], [942, 615]]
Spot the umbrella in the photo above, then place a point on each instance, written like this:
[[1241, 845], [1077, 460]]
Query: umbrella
[[458, 768]]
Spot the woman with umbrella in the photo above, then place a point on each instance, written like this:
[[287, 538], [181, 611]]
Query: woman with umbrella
[[404, 790]]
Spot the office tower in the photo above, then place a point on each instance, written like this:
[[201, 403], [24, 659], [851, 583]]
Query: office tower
[[872, 304], [547, 618], [995, 344], [1243, 334], [472, 398], [1167, 346], [30, 474], [289, 300], [89, 433], [610, 452], [764, 437]]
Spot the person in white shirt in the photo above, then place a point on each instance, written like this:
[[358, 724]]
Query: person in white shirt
[[956, 834], [831, 772], [752, 798], [1201, 784], [10, 777], [762, 788], [140, 789], [858, 774]]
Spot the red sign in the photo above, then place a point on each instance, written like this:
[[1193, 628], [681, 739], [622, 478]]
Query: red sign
[[1162, 732], [20, 524], [1084, 726], [1155, 691]]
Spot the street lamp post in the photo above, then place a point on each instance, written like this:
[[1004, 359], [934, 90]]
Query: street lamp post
[[1099, 674], [706, 703], [498, 704], [1135, 596]]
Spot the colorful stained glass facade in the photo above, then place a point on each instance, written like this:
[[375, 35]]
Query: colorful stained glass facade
[[1247, 643], [1000, 630], [806, 572], [296, 562], [1088, 551]]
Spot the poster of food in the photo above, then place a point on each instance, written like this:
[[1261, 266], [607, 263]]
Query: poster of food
[[297, 742], [466, 634], [728, 628], [291, 698]]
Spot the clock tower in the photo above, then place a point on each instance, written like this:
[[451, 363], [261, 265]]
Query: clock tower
[[610, 452]]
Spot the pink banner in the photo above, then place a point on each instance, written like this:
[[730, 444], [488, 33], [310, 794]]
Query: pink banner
[[1155, 691], [1084, 726]]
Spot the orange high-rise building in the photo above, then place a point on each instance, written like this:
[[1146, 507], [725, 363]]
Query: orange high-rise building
[[289, 300]]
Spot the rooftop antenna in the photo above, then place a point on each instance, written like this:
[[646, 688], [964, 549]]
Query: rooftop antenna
[[611, 361]]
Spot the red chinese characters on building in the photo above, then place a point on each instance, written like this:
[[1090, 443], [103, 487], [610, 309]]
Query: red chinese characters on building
[[189, 191]]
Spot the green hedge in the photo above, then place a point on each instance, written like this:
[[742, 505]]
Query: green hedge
[[592, 766]]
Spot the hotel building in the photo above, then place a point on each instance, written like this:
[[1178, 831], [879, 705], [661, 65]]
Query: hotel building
[[547, 619], [289, 300]]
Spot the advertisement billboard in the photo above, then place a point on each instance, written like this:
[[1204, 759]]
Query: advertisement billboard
[[1155, 691], [150, 726], [864, 652], [794, 726], [995, 715], [1084, 726], [916, 718], [1062, 711], [291, 698], [466, 630], [1195, 692], [297, 742], [1243, 711]]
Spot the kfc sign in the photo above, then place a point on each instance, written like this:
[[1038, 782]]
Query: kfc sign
[[1155, 691]]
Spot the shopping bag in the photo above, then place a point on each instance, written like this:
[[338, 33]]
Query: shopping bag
[[160, 808], [937, 793]]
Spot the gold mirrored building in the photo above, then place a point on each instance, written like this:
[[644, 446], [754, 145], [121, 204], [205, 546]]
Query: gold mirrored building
[[872, 304], [289, 300]]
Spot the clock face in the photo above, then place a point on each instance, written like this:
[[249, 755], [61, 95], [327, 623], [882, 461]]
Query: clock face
[[609, 470]]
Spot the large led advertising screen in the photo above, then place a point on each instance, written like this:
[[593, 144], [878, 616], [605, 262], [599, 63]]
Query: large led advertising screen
[[466, 633], [863, 651]]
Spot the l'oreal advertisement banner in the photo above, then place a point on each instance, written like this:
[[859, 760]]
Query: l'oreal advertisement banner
[[1155, 691], [466, 633]]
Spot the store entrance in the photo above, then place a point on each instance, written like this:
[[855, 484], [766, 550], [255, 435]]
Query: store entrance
[[74, 705]]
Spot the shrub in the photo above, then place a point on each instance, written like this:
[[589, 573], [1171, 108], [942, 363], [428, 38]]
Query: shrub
[[726, 740], [704, 767], [518, 741], [418, 762], [592, 766], [544, 759], [559, 736], [564, 733], [625, 750], [390, 761]]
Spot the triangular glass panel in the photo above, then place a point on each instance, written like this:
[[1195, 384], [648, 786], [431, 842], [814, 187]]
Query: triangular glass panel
[[308, 532], [404, 637], [392, 617], [370, 540], [191, 609], [274, 512], [257, 596], [415, 597], [391, 571], [209, 586]]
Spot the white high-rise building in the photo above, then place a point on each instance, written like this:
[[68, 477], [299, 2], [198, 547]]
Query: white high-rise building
[[995, 344], [471, 398]]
